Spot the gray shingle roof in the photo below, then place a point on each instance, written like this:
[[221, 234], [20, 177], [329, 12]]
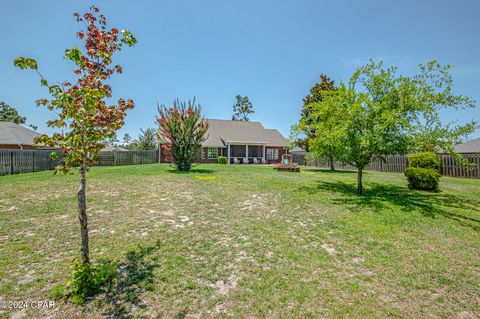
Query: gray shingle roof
[[221, 132], [14, 134], [472, 146], [110, 148], [297, 149]]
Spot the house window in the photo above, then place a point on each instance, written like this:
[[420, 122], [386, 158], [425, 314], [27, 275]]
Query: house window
[[212, 153], [272, 154], [203, 153]]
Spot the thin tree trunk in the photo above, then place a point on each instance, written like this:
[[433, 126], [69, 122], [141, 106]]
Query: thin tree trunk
[[82, 213], [332, 164], [360, 181]]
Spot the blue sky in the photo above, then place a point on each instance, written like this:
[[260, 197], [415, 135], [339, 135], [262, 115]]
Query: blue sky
[[271, 51]]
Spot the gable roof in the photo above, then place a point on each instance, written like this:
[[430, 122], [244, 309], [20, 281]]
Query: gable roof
[[14, 134], [472, 146], [298, 149], [223, 132]]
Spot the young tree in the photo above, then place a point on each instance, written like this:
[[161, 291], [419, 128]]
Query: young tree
[[380, 113], [242, 109], [10, 114], [183, 129], [82, 111], [147, 140]]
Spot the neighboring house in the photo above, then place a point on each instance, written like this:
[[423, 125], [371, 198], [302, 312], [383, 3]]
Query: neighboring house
[[242, 142], [470, 147], [110, 148], [298, 150], [15, 136]]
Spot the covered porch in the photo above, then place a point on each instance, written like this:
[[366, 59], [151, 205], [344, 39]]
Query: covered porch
[[248, 153]]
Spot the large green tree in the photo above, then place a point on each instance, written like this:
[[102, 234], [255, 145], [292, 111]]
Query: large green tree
[[242, 109], [82, 112], [304, 132], [10, 114], [380, 113]]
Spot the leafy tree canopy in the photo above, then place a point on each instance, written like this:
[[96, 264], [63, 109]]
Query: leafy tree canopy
[[380, 113], [10, 114], [242, 109], [82, 112], [147, 140], [303, 132]]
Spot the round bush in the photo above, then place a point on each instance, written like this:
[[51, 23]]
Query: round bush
[[422, 178], [424, 160], [222, 160]]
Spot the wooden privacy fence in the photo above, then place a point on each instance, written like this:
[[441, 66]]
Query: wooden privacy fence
[[398, 164], [25, 161], [127, 158]]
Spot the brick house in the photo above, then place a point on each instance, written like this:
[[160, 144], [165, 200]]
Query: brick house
[[14, 136], [241, 142]]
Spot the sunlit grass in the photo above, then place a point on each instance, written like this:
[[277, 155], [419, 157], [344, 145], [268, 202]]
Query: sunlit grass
[[238, 241]]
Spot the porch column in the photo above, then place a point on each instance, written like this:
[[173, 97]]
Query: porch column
[[263, 153], [228, 154], [246, 153]]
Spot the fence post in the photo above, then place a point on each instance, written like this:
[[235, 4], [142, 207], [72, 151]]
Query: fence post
[[11, 162], [33, 161]]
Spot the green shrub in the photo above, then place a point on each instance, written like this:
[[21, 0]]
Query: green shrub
[[222, 160], [424, 160], [422, 178], [85, 280]]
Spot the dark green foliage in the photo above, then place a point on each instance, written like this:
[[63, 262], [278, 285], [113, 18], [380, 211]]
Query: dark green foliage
[[222, 160], [422, 178], [147, 140], [424, 160], [242, 109], [308, 116], [423, 171], [10, 114]]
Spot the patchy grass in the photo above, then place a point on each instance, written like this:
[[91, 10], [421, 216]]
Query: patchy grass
[[236, 241]]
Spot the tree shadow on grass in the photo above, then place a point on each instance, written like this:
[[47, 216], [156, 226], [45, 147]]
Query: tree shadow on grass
[[328, 171], [193, 171], [380, 196], [134, 276]]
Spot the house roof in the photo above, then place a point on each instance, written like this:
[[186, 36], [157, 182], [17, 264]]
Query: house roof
[[472, 146], [14, 134], [110, 148], [297, 149], [223, 132]]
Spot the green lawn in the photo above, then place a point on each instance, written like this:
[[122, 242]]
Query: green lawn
[[247, 242]]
